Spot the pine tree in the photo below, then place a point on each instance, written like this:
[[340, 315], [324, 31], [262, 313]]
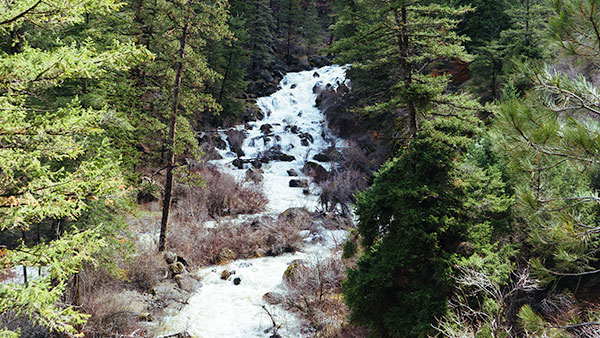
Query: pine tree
[[311, 27], [393, 71], [526, 36], [56, 161], [484, 27], [185, 29], [229, 58], [550, 136], [290, 17], [421, 205], [259, 23], [347, 18]]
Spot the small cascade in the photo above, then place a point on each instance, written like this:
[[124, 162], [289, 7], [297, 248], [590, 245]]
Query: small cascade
[[292, 132]]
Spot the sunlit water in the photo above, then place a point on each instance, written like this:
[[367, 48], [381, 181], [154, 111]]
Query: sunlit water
[[220, 309]]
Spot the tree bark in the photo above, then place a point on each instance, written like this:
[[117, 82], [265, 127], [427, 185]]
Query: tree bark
[[164, 222], [404, 45]]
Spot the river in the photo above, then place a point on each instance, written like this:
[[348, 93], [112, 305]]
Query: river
[[293, 126]]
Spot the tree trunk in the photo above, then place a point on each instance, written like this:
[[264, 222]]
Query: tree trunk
[[403, 44], [225, 78], [289, 28], [164, 222]]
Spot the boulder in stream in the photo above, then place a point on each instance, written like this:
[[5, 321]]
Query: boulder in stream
[[187, 282], [292, 173], [316, 171], [322, 157], [238, 163], [254, 175], [298, 183], [236, 139], [287, 158], [266, 128]]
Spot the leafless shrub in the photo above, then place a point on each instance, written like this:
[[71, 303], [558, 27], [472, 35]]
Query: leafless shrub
[[145, 271], [114, 313], [264, 237], [340, 189], [219, 195], [469, 315], [354, 158], [313, 291]]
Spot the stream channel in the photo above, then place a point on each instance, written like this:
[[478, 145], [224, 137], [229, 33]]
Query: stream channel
[[293, 125]]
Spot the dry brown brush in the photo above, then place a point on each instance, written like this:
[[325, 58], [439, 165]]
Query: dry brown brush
[[313, 292]]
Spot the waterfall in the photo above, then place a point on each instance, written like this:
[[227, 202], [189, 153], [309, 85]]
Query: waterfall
[[291, 133]]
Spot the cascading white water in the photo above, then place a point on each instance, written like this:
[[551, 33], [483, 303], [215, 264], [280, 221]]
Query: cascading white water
[[292, 113], [220, 309]]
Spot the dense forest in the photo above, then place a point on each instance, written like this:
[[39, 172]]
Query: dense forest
[[457, 158]]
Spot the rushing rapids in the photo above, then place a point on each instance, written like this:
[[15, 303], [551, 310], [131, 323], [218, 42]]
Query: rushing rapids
[[295, 130]]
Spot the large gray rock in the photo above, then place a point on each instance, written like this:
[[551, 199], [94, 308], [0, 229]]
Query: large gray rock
[[167, 291], [322, 157], [187, 282], [176, 269], [316, 171]]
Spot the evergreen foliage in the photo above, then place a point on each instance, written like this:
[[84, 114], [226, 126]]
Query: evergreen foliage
[[56, 161], [421, 207], [393, 72]]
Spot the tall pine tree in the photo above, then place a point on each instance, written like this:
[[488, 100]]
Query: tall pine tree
[[394, 50]]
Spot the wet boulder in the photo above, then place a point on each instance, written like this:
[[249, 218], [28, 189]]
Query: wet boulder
[[254, 175], [256, 164], [306, 139], [225, 274], [316, 75], [293, 86], [219, 142], [316, 171], [210, 152], [293, 129], [322, 157], [237, 281], [252, 112], [236, 140], [292, 172], [302, 183], [287, 158], [266, 128], [238, 163], [318, 88]]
